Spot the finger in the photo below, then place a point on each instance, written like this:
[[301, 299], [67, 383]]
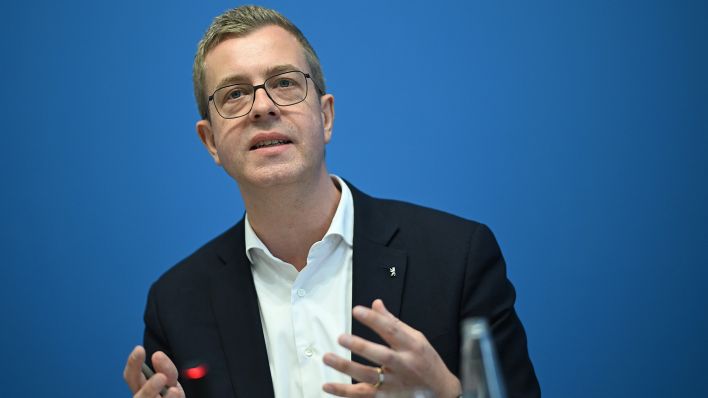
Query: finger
[[132, 373], [356, 370], [378, 306], [390, 328], [174, 392], [376, 353], [163, 364], [359, 390], [152, 387]]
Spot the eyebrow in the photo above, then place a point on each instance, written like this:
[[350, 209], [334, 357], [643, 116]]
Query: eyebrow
[[240, 78]]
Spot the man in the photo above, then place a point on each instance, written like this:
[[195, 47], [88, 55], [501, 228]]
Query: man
[[268, 305]]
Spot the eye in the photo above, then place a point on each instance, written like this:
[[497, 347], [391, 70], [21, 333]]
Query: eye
[[283, 83], [234, 94]]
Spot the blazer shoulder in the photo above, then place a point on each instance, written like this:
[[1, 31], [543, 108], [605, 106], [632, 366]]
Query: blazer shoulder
[[410, 214], [197, 265], [386, 218]]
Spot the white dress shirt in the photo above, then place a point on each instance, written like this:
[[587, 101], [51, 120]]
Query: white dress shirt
[[303, 313]]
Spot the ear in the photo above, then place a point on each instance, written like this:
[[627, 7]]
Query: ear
[[327, 109], [206, 134]]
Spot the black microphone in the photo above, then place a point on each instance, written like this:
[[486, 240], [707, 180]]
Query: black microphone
[[195, 380]]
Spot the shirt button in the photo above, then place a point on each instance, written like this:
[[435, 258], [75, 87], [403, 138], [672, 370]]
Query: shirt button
[[308, 352], [301, 292]]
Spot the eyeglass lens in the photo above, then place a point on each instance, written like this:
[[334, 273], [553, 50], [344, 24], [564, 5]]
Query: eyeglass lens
[[284, 89]]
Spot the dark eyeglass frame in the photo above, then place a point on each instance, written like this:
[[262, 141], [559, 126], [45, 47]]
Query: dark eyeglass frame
[[263, 86]]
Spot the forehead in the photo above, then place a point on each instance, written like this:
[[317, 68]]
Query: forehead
[[252, 55]]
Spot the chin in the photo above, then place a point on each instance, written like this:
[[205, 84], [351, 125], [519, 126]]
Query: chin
[[270, 177]]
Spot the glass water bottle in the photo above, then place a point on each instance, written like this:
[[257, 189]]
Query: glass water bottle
[[481, 377]]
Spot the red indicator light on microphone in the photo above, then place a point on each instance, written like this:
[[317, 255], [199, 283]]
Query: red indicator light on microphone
[[196, 372]]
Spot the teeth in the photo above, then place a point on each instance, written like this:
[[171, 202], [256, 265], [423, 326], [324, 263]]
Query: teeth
[[269, 143]]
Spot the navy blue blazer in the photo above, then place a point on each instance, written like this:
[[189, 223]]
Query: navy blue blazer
[[205, 308]]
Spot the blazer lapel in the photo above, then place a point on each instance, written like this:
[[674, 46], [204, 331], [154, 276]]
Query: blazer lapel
[[378, 271], [235, 303]]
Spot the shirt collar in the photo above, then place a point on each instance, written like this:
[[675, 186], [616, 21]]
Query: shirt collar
[[342, 224]]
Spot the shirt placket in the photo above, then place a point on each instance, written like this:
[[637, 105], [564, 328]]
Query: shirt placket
[[307, 350]]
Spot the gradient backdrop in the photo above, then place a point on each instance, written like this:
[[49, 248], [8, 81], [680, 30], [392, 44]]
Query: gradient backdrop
[[577, 130]]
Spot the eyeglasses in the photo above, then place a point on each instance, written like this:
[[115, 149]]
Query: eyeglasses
[[284, 89]]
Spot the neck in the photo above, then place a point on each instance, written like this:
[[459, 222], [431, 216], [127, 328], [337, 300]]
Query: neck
[[290, 218]]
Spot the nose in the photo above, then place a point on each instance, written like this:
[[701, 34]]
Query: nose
[[262, 105]]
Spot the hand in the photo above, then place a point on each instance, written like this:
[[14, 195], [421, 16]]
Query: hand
[[165, 375], [409, 361]]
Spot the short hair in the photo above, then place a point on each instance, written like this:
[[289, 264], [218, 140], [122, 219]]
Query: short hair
[[239, 22]]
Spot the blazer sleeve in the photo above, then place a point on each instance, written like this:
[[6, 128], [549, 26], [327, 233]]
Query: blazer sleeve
[[154, 338], [487, 288]]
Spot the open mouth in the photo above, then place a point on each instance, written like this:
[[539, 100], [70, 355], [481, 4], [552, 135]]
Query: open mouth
[[269, 143]]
